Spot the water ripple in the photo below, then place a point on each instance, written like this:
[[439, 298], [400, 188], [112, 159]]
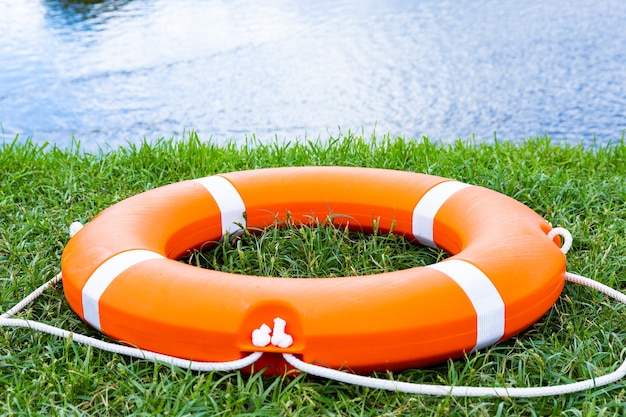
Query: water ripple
[[120, 70]]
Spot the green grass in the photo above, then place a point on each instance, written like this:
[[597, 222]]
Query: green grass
[[310, 251], [43, 189]]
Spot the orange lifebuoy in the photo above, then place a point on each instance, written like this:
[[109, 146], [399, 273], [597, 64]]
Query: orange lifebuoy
[[121, 277]]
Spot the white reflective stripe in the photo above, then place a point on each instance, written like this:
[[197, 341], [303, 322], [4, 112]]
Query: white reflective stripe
[[102, 277], [230, 203], [484, 296], [428, 206]]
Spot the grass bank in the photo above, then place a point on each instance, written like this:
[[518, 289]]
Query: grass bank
[[43, 189]]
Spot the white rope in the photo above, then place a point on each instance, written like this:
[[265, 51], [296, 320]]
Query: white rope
[[30, 297], [134, 352], [370, 382], [467, 391], [7, 321]]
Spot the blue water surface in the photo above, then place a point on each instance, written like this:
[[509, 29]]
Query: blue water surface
[[117, 71]]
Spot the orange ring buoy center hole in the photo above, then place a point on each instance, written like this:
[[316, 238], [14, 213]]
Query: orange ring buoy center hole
[[318, 249]]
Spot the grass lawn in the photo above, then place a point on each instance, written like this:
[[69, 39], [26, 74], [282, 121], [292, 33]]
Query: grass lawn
[[43, 189]]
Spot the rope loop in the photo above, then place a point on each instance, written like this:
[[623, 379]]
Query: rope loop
[[75, 228], [565, 235]]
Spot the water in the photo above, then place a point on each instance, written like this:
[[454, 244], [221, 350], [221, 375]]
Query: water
[[116, 71]]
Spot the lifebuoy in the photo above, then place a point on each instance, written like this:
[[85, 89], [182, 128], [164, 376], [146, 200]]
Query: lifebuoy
[[121, 277]]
